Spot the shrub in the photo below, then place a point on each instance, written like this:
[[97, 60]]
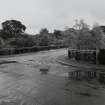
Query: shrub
[[101, 56]]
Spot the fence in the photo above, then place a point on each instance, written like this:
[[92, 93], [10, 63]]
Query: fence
[[84, 55]]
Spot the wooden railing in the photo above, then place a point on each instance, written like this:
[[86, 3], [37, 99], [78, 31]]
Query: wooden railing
[[84, 55]]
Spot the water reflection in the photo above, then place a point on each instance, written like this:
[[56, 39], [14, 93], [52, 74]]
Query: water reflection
[[80, 74], [87, 75]]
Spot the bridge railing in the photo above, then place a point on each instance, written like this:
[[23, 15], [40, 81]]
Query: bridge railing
[[84, 55]]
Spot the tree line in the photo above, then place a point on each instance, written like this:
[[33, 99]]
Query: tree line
[[80, 36]]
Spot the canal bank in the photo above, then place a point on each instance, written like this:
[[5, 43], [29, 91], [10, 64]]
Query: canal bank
[[65, 60], [84, 71]]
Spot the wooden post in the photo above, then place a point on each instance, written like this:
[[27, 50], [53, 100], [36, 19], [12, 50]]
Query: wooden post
[[102, 77]]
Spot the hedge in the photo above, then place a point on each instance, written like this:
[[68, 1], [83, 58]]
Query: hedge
[[10, 51]]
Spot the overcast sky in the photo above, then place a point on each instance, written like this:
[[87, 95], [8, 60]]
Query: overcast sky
[[52, 14]]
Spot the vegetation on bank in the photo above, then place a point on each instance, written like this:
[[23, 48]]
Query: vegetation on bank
[[13, 38], [11, 51]]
